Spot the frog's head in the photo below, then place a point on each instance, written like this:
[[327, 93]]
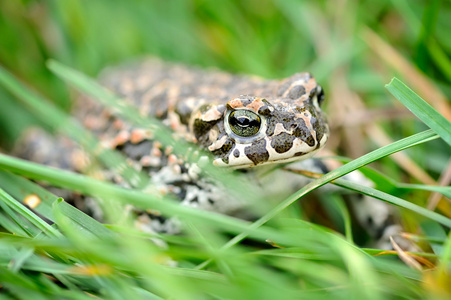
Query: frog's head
[[250, 131]]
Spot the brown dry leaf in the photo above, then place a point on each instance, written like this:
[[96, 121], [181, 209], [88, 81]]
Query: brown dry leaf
[[406, 257]]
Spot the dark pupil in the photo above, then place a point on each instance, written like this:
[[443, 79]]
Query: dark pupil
[[243, 121]]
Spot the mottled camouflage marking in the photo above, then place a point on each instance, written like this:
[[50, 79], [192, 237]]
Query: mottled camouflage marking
[[257, 152], [225, 150], [292, 116], [195, 103], [282, 142]]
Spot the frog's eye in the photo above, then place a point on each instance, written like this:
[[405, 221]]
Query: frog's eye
[[244, 123]]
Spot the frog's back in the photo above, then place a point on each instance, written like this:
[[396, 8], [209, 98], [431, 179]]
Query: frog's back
[[156, 87], [197, 104]]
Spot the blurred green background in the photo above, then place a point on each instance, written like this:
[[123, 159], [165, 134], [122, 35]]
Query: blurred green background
[[352, 47]]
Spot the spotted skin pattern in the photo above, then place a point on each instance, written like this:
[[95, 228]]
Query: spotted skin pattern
[[243, 121], [281, 119], [196, 104]]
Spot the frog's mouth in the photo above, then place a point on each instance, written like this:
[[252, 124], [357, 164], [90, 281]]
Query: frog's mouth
[[262, 153]]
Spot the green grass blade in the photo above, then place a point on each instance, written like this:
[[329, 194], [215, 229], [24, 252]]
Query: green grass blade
[[9, 225], [19, 259], [400, 145], [372, 192], [393, 200], [93, 187], [421, 109], [12, 220], [443, 268], [84, 224], [20, 188], [444, 190], [60, 121], [28, 214], [385, 183]]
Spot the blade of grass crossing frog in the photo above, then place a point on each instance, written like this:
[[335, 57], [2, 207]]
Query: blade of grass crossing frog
[[58, 120], [387, 184], [374, 193], [400, 145], [93, 187], [162, 133], [393, 200], [421, 109]]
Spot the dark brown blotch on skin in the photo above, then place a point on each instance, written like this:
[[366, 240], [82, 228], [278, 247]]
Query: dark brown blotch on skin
[[282, 142], [264, 110], [225, 150], [301, 131], [310, 140], [285, 84], [296, 92], [318, 123], [257, 152], [319, 135], [286, 120], [200, 127], [227, 146]]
